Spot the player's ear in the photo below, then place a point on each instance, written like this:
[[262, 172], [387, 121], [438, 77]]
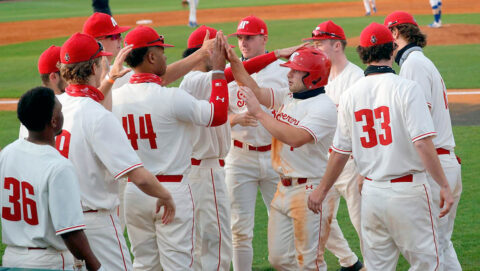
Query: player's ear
[[150, 56]]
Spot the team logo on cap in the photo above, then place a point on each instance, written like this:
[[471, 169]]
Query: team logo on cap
[[373, 39], [243, 24], [114, 23], [67, 57], [293, 56]]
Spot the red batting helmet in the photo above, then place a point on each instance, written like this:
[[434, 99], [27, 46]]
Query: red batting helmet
[[313, 61]]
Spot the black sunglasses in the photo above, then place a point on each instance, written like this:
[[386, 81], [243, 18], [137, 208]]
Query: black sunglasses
[[161, 39], [100, 48], [318, 33]]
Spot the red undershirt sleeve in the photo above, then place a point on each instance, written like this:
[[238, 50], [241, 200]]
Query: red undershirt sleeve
[[219, 102], [253, 65]]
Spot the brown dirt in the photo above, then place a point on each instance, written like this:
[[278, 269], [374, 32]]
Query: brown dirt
[[17, 32]]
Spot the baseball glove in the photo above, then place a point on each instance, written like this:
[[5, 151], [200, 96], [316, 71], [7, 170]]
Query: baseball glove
[[185, 3]]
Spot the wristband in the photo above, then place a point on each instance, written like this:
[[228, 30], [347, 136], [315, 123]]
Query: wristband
[[218, 71], [110, 80]]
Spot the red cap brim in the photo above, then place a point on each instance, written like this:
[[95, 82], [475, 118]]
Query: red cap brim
[[118, 30]]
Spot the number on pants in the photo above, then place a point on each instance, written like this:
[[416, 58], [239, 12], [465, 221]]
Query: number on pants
[[62, 143], [28, 205], [369, 115], [146, 130]]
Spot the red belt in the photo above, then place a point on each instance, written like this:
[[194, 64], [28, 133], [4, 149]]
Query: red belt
[[288, 181], [167, 178], [240, 144], [196, 162], [404, 179], [441, 151]]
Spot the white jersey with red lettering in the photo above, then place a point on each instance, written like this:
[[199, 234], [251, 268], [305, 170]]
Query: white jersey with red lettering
[[40, 201], [301, 170], [337, 86], [419, 68], [380, 118], [93, 139]]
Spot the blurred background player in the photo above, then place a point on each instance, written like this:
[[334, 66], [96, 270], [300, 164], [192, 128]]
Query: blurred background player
[[192, 15], [437, 13], [94, 141], [330, 39], [369, 7], [303, 125], [49, 207], [101, 6], [414, 65], [383, 121], [248, 164]]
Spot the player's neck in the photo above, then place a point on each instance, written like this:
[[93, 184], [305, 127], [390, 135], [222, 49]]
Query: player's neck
[[44, 137], [338, 65], [382, 62]]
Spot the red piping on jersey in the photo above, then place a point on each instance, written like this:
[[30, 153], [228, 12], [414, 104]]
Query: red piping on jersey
[[119, 243], [70, 228], [433, 229], [126, 170], [339, 150], [319, 237], [422, 136], [253, 65], [219, 101], [218, 222], [309, 131], [193, 224]]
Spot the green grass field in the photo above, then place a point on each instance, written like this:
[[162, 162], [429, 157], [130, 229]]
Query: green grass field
[[458, 64]]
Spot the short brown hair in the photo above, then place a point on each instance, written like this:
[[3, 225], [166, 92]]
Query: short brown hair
[[412, 34], [376, 52], [78, 72], [343, 42]]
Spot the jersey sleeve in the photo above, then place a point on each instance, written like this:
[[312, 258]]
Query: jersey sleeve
[[320, 122], [111, 145], [277, 96], [188, 109], [417, 116], [64, 201], [342, 141], [415, 72], [199, 85]]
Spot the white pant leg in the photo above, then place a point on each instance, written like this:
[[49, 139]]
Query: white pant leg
[[434, 3], [269, 178], [213, 240], [175, 240], [122, 184], [192, 16], [366, 4], [452, 170], [22, 257], [106, 240]]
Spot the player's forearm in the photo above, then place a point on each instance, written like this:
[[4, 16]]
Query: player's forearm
[[288, 134], [183, 66], [428, 154], [219, 99], [244, 79], [335, 165], [252, 65], [77, 244], [105, 88]]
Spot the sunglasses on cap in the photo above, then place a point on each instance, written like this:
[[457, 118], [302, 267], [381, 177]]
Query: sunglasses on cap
[[390, 24], [100, 48], [318, 33], [161, 39]]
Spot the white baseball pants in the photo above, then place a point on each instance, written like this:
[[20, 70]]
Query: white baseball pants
[[367, 3], [192, 5], [347, 187], [106, 239], [50, 258], [156, 246], [397, 218], [452, 169], [246, 172], [213, 240], [122, 184], [297, 236]]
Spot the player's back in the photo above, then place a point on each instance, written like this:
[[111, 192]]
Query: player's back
[[338, 85], [386, 114], [419, 68], [30, 174]]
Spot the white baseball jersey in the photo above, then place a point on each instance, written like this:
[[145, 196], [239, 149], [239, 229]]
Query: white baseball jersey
[[272, 76], [208, 142], [160, 119], [39, 196], [419, 68], [379, 118], [336, 86], [93, 139], [318, 116], [122, 80]]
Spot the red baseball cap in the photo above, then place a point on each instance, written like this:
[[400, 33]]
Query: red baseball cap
[[144, 36], [196, 38], [399, 17], [327, 31], [101, 24], [251, 26], [81, 47], [48, 60], [375, 34]]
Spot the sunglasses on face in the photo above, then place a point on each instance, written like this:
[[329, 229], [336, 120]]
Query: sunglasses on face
[[113, 37], [100, 48], [161, 38], [318, 33]]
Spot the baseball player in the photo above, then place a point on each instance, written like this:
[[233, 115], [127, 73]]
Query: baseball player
[[330, 38], [248, 164], [414, 65], [437, 13], [192, 15], [303, 126], [164, 118], [383, 121], [41, 212], [369, 7], [97, 146]]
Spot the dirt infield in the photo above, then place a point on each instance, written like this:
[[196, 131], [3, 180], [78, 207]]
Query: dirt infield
[[17, 32]]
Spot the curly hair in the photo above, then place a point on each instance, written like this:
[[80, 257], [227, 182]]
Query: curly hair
[[78, 72], [412, 34], [376, 53]]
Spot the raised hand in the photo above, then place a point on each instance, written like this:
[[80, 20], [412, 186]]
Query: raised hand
[[118, 70], [287, 52]]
